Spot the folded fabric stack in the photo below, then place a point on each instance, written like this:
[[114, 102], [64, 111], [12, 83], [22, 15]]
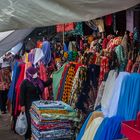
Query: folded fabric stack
[[52, 120]]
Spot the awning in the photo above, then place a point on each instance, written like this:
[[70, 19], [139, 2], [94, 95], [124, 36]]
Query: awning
[[19, 14], [12, 39]]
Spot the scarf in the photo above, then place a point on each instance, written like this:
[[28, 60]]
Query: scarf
[[35, 81]]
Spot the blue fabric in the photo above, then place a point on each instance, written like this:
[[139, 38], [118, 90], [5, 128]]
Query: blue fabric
[[47, 52], [65, 48], [16, 72], [129, 102], [81, 133], [109, 129]]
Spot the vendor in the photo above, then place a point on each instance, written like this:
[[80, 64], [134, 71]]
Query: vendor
[[31, 89]]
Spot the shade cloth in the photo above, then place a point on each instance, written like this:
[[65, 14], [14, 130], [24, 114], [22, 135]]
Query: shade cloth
[[17, 14]]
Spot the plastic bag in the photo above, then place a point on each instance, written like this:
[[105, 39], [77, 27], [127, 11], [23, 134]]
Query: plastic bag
[[21, 124]]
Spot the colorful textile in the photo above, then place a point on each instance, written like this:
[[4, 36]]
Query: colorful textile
[[50, 122], [56, 80], [44, 76], [104, 68], [16, 72], [79, 78], [5, 79], [92, 129], [68, 84], [46, 48], [17, 88], [121, 58]]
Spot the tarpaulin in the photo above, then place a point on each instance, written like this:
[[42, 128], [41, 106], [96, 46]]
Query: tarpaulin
[[18, 14]]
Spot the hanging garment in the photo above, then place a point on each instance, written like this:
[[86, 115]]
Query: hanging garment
[[129, 97], [62, 83], [93, 75], [104, 68], [108, 20], [108, 92], [120, 55], [99, 95], [113, 106], [79, 78], [16, 72], [129, 66], [100, 24], [38, 55], [46, 48], [31, 56], [39, 44], [68, 84], [56, 80], [92, 129], [27, 65], [44, 77], [17, 88]]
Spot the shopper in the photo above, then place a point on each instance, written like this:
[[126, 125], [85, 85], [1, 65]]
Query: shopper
[[31, 89]]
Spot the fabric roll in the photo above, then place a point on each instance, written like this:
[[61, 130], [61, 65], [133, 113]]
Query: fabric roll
[[116, 94], [109, 129], [82, 130], [99, 95], [129, 97], [94, 115], [108, 92], [92, 129]]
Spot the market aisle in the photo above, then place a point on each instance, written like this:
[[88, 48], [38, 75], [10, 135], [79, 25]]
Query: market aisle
[[5, 132]]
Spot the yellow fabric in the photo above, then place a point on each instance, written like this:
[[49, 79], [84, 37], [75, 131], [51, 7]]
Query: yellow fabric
[[94, 115], [100, 24], [26, 57], [92, 129]]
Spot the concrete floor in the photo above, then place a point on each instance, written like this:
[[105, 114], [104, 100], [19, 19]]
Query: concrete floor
[[5, 132]]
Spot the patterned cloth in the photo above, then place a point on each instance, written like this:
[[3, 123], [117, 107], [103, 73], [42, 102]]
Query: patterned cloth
[[5, 79], [52, 120], [104, 68]]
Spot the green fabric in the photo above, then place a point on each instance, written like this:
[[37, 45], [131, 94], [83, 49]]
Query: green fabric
[[78, 30], [56, 80]]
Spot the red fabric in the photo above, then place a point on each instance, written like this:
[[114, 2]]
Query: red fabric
[[65, 27], [44, 76], [108, 20], [129, 66], [81, 44], [104, 68], [52, 125], [17, 88], [104, 44]]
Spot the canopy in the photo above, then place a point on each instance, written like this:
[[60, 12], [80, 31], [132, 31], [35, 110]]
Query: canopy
[[11, 39], [17, 14]]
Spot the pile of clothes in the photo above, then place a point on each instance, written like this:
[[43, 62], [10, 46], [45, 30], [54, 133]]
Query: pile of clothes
[[52, 120]]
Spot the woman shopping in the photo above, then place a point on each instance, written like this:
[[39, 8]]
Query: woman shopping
[[31, 89]]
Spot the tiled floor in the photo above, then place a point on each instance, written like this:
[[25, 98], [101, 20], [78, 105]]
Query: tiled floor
[[5, 132]]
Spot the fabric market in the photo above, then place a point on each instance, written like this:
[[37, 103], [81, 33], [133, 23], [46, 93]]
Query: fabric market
[[72, 79]]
